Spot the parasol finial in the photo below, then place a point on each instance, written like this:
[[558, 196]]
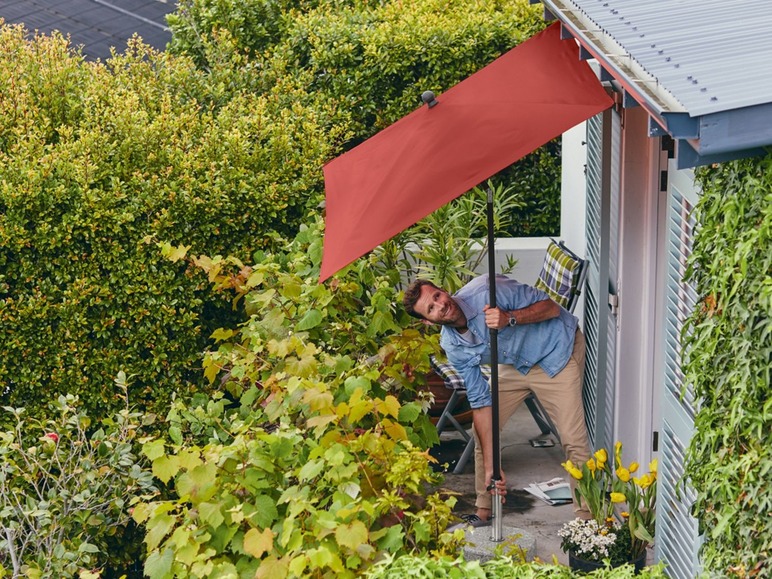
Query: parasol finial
[[428, 97]]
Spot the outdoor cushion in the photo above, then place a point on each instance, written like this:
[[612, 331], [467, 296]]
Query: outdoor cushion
[[453, 379], [559, 275]]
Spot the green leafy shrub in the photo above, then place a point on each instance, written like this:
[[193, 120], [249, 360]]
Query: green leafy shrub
[[380, 58], [298, 328], [273, 496], [377, 58], [501, 567], [65, 490], [255, 25], [96, 161], [317, 465], [729, 345]]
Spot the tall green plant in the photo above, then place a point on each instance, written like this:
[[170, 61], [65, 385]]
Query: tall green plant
[[728, 340], [449, 245]]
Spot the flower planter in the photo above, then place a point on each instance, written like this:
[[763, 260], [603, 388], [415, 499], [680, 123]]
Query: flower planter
[[436, 385], [579, 564]]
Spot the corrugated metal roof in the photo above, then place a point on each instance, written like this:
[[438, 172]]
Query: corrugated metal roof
[[708, 55], [96, 25]]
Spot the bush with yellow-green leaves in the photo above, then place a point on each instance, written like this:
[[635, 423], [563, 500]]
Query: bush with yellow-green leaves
[[98, 163]]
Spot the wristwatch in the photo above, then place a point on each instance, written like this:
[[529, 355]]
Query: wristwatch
[[512, 321]]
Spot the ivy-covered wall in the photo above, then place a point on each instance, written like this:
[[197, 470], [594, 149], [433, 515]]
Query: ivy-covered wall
[[729, 345]]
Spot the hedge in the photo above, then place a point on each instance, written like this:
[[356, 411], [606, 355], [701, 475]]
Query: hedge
[[98, 164], [375, 60]]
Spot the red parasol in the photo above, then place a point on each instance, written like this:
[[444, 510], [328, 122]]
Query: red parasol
[[522, 100]]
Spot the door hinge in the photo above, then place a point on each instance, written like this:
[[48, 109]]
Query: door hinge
[[655, 442], [613, 304]]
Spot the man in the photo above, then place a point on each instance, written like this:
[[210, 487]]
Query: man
[[541, 349]]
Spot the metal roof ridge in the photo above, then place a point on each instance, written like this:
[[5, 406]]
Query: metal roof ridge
[[646, 89]]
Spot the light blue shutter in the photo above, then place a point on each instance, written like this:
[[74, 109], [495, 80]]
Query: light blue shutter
[[603, 138], [677, 540]]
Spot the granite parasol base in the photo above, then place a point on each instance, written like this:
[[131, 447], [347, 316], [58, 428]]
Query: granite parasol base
[[481, 548]]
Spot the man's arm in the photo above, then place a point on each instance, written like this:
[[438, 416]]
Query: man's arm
[[483, 426], [540, 311]]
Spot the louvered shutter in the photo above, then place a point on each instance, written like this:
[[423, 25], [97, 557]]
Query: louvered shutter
[[677, 539], [603, 142]]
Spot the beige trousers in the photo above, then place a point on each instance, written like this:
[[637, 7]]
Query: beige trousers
[[561, 397]]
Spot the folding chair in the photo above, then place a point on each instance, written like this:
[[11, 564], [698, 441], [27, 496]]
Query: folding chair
[[455, 382], [561, 277]]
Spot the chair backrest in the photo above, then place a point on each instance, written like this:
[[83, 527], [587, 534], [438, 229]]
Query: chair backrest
[[562, 275], [453, 379]]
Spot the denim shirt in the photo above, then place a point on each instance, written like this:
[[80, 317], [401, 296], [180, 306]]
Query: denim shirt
[[548, 344]]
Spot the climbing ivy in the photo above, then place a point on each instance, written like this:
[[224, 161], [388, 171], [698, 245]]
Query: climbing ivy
[[729, 343]]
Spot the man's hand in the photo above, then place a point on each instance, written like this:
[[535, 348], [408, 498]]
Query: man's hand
[[495, 318], [501, 485]]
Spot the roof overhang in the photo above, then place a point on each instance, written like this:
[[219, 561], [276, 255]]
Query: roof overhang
[[701, 139]]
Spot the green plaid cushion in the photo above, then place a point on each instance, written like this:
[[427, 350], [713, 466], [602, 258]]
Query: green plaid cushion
[[559, 275], [453, 379]]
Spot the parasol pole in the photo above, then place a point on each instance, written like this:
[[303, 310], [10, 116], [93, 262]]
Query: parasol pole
[[494, 335]]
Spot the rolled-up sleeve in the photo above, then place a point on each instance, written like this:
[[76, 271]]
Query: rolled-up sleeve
[[515, 295], [478, 390]]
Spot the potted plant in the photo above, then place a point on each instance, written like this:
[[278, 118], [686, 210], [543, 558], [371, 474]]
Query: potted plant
[[623, 512]]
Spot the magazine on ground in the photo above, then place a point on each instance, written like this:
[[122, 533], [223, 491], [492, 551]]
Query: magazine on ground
[[553, 492]]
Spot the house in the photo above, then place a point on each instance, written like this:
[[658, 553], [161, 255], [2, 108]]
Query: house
[[692, 86], [94, 25]]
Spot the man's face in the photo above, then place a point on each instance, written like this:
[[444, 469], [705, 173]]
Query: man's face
[[438, 307]]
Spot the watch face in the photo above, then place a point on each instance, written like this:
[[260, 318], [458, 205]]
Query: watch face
[[512, 321]]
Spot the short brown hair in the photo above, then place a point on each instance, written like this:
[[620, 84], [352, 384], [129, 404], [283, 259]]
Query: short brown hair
[[412, 293]]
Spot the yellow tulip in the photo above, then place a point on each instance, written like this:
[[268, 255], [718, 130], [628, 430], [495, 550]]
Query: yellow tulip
[[572, 470], [591, 465], [633, 467], [618, 454], [601, 457], [625, 515], [645, 481], [623, 474], [576, 473], [617, 498], [653, 466]]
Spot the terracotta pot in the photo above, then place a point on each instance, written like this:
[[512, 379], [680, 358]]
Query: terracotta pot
[[579, 564], [436, 385]]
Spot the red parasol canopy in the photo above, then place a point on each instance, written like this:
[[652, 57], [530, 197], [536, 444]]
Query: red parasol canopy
[[522, 100]]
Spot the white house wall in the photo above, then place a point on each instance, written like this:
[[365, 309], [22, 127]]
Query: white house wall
[[637, 286], [573, 196]]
